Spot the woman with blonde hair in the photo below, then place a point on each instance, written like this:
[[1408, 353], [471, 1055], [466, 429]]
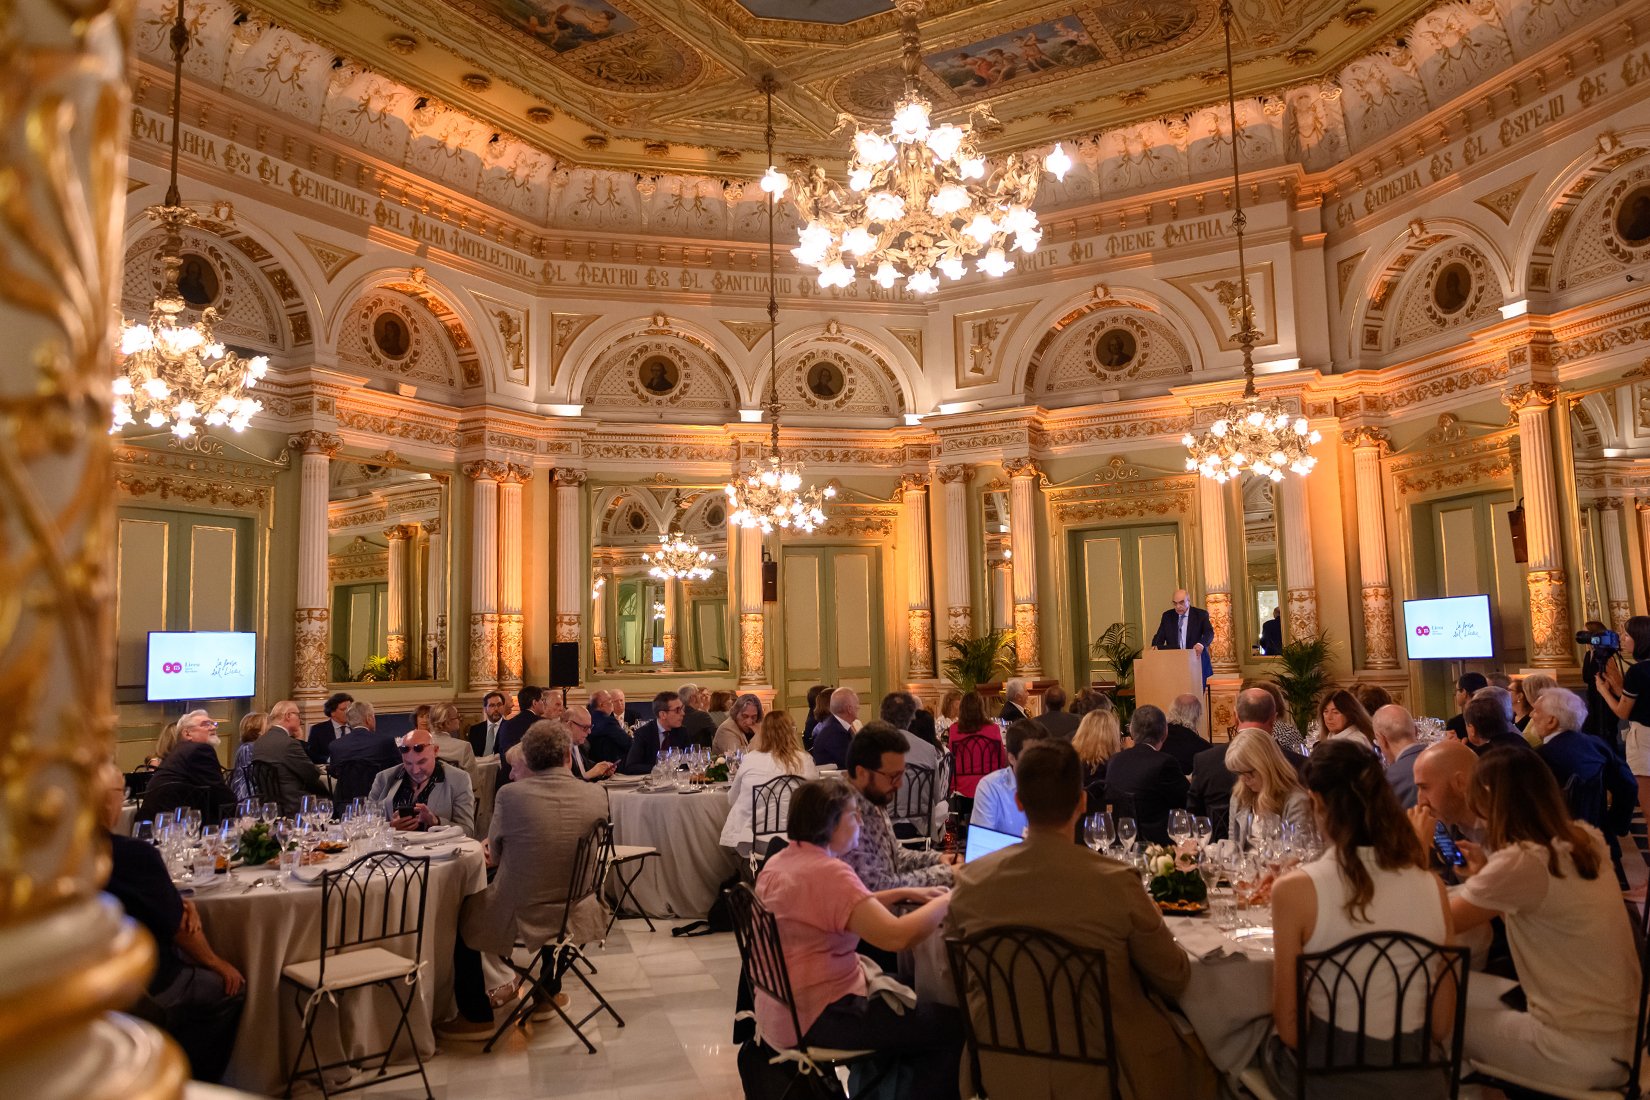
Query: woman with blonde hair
[[1099, 737], [444, 727], [1267, 786], [775, 751], [1532, 686], [165, 743], [252, 728], [950, 703]]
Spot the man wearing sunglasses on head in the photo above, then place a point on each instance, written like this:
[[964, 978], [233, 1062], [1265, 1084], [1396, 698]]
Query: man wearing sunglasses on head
[[422, 792]]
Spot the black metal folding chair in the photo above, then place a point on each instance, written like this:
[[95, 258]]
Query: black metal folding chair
[[619, 858], [351, 780], [1334, 1016], [265, 781], [770, 810], [371, 912], [1028, 993], [559, 957], [913, 810]]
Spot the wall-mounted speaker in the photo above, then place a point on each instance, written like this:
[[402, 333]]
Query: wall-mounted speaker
[[1515, 527], [770, 579], [564, 664]]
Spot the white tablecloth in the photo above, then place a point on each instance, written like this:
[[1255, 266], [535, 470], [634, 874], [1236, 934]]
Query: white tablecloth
[[264, 930], [687, 830]]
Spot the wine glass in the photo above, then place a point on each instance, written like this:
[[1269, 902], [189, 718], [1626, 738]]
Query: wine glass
[[1180, 826], [145, 831], [1128, 832], [1203, 829], [1098, 832]]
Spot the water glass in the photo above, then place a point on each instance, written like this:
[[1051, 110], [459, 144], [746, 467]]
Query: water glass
[[268, 811], [291, 860], [1127, 833], [205, 864], [1203, 829], [1223, 908], [1180, 826], [1098, 831]]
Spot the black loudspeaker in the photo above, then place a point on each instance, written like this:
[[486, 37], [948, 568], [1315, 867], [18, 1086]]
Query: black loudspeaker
[[770, 581], [1515, 526], [564, 664]]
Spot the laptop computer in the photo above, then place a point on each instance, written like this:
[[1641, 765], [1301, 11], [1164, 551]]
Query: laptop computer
[[983, 841]]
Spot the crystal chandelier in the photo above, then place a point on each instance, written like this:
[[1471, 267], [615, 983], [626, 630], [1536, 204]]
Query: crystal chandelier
[[768, 492], [679, 557], [920, 199], [1262, 437], [171, 371]]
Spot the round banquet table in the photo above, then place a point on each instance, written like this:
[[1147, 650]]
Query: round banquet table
[[687, 830], [264, 930]]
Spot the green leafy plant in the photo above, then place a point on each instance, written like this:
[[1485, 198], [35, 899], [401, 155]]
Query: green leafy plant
[[982, 660], [1175, 882], [257, 845], [378, 667], [1117, 651], [1303, 676]]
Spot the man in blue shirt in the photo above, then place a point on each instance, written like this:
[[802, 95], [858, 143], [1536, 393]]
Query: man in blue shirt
[[994, 804]]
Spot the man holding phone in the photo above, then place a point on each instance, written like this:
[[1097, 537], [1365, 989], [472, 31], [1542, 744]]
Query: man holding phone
[[1443, 774], [422, 792]]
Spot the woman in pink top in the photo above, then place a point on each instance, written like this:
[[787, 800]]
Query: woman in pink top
[[976, 750], [823, 911]]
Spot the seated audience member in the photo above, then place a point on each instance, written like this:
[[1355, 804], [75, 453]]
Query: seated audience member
[[1341, 715], [819, 707], [421, 717], [516, 763], [1268, 789], [1211, 781], [533, 704], [330, 728], [1095, 902], [776, 751], [735, 732], [1395, 734], [1627, 695], [191, 765], [1055, 718], [609, 741], [191, 985], [1144, 779], [1501, 695], [1284, 731], [538, 822], [619, 715], [252, 728], [1016, 694], [696, 729], [1542, 873], [423, 792], [363, 741], [967, 737], [1499, 679], [1372, 697], [649, 737], [922, 726], [1090, 699], [444, 726], [1533, 685], [164, 744], [900, 710], [1465, 687], [994, 805], [1183, 742], [876, 768], [1598, 787], [1443, 775], [950, 703], [823, 912], [831, 736], [483, 736], [282, 746], [578, 723], [1097, 740], [1488, 724], [1521, 705], [1371, 878], [720, 706]]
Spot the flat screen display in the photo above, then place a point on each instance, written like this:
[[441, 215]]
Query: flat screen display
[[1451, 629], [202, 665], [983, 841]]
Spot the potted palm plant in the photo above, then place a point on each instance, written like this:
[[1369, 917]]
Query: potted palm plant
[[982, 660], [1303, 676], [1117, 651]]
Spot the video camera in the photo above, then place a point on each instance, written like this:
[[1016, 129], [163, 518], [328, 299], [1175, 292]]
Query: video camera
[[1606, 643]]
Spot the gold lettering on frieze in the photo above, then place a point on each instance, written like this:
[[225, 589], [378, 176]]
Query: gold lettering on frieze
[[1531, 119]]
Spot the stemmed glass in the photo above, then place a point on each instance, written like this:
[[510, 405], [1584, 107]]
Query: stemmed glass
[[1203, 829], [1180, 826], [1098, 831], [1127, 833]]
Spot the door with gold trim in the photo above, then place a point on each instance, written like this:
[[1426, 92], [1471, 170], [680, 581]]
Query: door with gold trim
[[1119, 574], [832, 620]]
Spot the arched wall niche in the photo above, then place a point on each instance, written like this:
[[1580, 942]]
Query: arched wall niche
[[833, 370], [1595, 226], [436, 343], [653, 368], [1440, 276], [1105, 344]]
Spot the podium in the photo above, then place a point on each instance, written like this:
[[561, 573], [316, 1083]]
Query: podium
[[1162, 674]]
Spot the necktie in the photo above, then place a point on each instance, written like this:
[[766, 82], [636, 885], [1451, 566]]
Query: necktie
[[492, 738], [1182, 630]]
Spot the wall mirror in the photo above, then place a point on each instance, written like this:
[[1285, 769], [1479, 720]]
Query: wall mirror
[[387, 533], [1260, 621], [640, 620], [999, 550]]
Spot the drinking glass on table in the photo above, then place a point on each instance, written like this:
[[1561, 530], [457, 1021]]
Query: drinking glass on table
[[145, 831], [1128, 831], [1180, 826], [268, 811], [1203, 829], [191, 820], [1098, 831]]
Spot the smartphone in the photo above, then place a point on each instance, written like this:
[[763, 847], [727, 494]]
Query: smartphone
[[1447, 851]]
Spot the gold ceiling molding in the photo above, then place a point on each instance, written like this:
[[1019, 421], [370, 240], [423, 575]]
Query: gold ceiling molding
[[1504, 200], [332, 258]]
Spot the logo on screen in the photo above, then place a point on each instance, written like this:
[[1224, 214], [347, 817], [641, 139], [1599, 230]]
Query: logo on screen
[[1423, 631], [171, 667]]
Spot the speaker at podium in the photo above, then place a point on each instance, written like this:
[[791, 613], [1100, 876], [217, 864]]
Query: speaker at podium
[[1162, 674]]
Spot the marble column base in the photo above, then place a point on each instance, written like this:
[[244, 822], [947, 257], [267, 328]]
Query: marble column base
[[1302, 612], [1223, 693], [311, 637], [569, 626], [483, 651], [959, 621], [670, 651], [1223, 655], [753, 660], [1619, 615], [510, 631]]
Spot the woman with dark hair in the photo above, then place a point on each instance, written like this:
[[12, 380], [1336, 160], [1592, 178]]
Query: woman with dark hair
[[823, 912], [736, 731], [721, 705], [1628, 696], [421, 718], [1372, 877], [819, 709], [1539, 871], [1341, 715], [972, 727]]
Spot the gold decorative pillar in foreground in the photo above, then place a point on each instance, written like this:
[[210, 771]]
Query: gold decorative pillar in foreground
[[753, 658], [312, 627], [69, 954], [1024, 477], [395, 596], [1217, 573], [509, 575], [1616, 596], [1548, 587], [570, 545], [959, 562], [484, 479], [435, 601], [1301, 597], [919, 615], [1380, 643]]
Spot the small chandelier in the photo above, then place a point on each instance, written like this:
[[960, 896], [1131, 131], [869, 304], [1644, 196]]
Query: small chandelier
[[170, 371], [920, 198], [679, 557], [768, 492], [1262, 437]]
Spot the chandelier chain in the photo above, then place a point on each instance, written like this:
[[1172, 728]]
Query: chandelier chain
[[1246, 337]]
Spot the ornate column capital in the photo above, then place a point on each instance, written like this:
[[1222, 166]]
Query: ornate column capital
[[515, 474], [1364, 437], [483, 470], [565, 475], [432, 527], [959, 472], [399, 531], [911, 483], [1642, 504], [1530, 395], [1023, 467], [315, 442], [1609, 504]]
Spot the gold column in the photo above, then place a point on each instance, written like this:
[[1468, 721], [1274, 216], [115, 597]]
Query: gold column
[[570, 570], [753, 657], [484, 478], [510, 618], [1616, 595], [312, 628], [395, 597], [1380, 643], [435, 601], [919, 645], [70, 955], [1298, 571], [673, 616], [1024, 477], [598, 621], [1548, 586], [1217, 573], [959, 561]]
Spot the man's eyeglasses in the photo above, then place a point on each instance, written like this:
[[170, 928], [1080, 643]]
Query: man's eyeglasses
[[405, 749], [677, 709], [896, 778]]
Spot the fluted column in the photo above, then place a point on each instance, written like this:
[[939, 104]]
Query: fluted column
[[570, 546], [1616, 594], [1380, 642], [600, 654], [395, 599], [312, 627], [510, 621], [673, 614], [1024, 477], [484, 478], [959, 562], [1301, 598], [69, 954], [919, 614], [753, 657], [435, 601], [1217, 573], [1545, 578]]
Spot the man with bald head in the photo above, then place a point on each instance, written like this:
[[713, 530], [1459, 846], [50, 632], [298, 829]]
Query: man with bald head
[[1186, 627], [424, 793], [1395, 734], [1443, 776]]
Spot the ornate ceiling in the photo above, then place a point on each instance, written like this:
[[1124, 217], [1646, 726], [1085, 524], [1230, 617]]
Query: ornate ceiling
[[668, 84]]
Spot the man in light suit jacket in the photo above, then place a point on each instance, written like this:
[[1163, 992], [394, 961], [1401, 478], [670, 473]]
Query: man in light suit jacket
[[1186, 627], [537, 825], [1095, 902], [424, 793], [297, 772]]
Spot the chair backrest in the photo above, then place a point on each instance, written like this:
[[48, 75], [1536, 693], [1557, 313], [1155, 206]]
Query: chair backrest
[[914, 799], [757, 933], [1033, 994], [198, 796], [974, 757], [351, 780], [137, 781], [378, 897], [1415, 971], [771, 806], [265, 781], [590, 863]]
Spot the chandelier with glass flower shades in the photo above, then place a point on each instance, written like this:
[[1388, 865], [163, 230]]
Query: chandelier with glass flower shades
[[921, 200], [679, 557], [1262, 437], [768, 492], [171, 371]]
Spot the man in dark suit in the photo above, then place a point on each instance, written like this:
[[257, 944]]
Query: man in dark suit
[[1183, 741], [1186, 627], [1055, 718], [1488, 726], [1015, 697], [698, 727], [322, 734], [296, 772], [644, 746], [1146, 778], [362, 750], [484, 734], [1465, 688], [532, 703], [608, 739], [578, 723], [836, 732], [1271, 634], [191, 765], [1580, 761]]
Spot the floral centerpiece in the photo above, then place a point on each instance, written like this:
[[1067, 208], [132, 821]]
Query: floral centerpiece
[[717, 771], [1175, 883], [257, 845]]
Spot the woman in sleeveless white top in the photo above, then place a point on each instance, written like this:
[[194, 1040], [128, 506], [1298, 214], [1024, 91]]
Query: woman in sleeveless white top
[[777, 751]]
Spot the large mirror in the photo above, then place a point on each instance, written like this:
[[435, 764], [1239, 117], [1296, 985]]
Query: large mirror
[[999, 550], [1261, 616], [642, 621], [387, 536]]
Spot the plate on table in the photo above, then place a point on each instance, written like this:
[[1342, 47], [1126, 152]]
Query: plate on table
[[441, 834], [1183, 908], [617, 780], [1258, 940]]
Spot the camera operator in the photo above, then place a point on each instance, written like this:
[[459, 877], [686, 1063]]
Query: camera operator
[[1594, 659], [1628, 696]]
